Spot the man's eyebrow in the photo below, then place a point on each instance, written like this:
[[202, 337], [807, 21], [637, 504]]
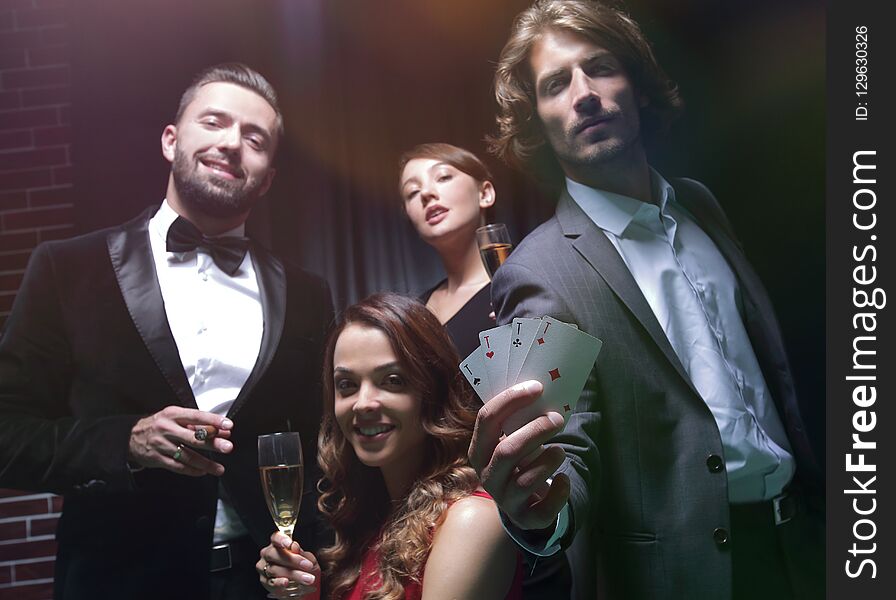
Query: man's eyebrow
[[600, 55], [253, 127], [214, 112], [549, 75], [257, 129], [594, 56]]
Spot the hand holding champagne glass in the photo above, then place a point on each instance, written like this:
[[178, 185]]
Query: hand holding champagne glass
[[281, 468], [282, 475], [494, 246]]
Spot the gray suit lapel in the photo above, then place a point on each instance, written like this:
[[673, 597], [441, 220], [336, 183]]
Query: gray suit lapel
[[759, 314], [272, 290], [600, 253], [135, 270], [759, 317]]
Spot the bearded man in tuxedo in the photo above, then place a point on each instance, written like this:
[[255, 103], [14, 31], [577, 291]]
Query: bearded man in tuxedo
[[140, 363]]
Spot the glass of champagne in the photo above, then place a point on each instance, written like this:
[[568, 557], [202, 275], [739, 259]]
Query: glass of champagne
[[282, 474], [494, 246]]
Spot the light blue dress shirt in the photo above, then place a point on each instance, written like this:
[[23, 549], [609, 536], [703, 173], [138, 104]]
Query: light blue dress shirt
[[694, 295]]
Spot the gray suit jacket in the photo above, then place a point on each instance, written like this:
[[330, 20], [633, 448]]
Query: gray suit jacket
[[645, 499]]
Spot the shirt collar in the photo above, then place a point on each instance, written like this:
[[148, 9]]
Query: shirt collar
[[614, 212], [165, 216]]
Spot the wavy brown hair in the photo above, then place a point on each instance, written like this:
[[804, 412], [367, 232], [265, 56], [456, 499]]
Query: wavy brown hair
[[519, 140], [460, 158], [353, 496]]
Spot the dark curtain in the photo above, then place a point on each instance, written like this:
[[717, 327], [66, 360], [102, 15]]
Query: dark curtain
[[361, 81]]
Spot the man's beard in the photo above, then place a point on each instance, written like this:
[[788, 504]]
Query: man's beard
[[582, 156], [597, 155], [214, 197]]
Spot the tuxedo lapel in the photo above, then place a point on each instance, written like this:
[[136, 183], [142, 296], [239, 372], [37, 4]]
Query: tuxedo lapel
[[135, 271], [272, 290], [596, 248]]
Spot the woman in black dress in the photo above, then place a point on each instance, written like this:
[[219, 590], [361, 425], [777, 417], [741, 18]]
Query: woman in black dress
[[447, 192]]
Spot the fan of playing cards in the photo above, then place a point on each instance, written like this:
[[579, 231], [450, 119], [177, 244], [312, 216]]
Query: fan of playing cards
[[555, 353]]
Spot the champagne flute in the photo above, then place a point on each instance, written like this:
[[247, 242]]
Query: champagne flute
[[282, 475], [494, 246]]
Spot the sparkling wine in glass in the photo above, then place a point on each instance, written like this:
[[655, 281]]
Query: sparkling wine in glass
[[494, 246], [282, 474], [281, 467]]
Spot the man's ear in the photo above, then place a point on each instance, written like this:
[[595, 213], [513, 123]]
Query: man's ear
[[486, 194], [169, 142], [268, 180]]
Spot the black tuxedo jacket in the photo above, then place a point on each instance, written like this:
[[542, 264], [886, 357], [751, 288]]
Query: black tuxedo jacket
[[86, 352], [645, 497]]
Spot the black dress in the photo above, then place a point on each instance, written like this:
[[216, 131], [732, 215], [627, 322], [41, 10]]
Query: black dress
[[473, 317]]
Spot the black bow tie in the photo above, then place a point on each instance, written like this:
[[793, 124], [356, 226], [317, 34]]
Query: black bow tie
[[228, 252]]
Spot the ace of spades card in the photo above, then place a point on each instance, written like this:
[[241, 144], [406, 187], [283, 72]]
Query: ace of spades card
[[560, 357], [474, 370]]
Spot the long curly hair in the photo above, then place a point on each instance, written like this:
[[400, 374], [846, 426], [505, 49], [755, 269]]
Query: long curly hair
[[520, 141], [353, 496]]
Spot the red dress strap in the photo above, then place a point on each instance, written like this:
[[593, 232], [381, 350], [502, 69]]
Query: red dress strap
[[482, 494]]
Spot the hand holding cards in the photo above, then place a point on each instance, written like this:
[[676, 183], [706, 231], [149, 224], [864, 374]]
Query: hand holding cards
[[557, 354]]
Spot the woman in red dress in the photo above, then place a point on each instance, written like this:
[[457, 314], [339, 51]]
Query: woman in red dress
[[410, 518]]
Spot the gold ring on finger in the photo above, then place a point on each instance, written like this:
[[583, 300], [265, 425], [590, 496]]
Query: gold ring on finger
[[178, 453]]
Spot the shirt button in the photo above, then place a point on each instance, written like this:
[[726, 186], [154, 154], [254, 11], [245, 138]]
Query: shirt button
[[720, 535], [203, 276], [715, 463]]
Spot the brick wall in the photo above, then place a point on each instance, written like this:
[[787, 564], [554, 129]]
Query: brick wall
[[35, 205], [27, 547]]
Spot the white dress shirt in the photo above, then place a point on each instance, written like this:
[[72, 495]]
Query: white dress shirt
[[694, 295], [217, 324]]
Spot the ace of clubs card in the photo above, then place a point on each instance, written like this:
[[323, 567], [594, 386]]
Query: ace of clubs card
[[560, 357]]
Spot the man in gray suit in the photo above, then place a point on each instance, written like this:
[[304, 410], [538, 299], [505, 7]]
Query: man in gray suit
[[685, 471]]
